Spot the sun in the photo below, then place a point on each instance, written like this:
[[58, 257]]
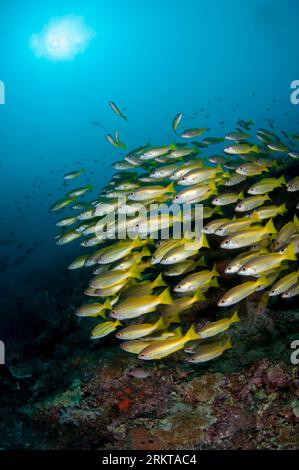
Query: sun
[[62, 38]]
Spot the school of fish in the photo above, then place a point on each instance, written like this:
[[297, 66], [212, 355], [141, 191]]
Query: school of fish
[[144, 285]]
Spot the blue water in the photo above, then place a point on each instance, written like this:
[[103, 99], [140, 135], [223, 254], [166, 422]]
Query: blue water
[[225, 59]]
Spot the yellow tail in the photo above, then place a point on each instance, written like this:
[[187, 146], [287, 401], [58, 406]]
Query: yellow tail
[[165, 297], [159, 282], [290, 254], [235, 318], [269, 227], [191, 334]]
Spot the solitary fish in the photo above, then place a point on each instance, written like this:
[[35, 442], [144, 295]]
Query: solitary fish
[[117, 110], [176, 122]]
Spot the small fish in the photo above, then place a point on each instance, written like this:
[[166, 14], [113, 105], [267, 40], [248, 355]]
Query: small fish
[[284, 284], [135, 307], [240, 292], [115, 143], [268, 212], [241, 149], [251, 202], [213, 226], [227, 198], [160, 349], [234, 180], [235, 265], [286, 233], [251, 169], [117, 110], [62, 203], [79, 262], [249, 236], [68, 237], [140, 331], [265, 262], [135, 346], [199, 175], [114, 277], [237, 136], [208, 352], [192, 133], [93, 309], [74, 174], [104, 329], [79, 191], [67, 221], [150, 192], [216, 327], [266, 185], [176, 122], [195, 281]]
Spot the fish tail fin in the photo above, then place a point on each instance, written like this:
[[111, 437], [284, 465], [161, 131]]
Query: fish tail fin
[[199, 296], [145, 252], [214, 282], [241, 195], [160, 323], [218, 210], [235, 318], [201, 262], [135, 272], [255, 217], [227, 345], [212, 186], [282, 209], [282, 180], [205, 243], [219, 169], [191, 334], [107, 305], [255, 149], [289, 253], [170, 188], [269, 227], [214, 271], [178, 331], [165, 297], [159, 282]]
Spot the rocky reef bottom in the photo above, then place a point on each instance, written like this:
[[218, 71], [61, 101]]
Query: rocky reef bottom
[[62, 391]]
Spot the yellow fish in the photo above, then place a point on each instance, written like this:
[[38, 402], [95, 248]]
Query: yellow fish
[[93, 309], [216, 327], [135, 307], [139, 331], [160, 349], [104, 329], [210, 351], [240, 292]]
